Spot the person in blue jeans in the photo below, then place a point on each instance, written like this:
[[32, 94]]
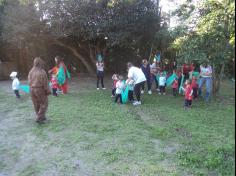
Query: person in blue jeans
[[146, 70], [205, 77]]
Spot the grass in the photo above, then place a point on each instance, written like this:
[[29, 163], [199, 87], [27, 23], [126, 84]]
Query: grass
[[87, 134]]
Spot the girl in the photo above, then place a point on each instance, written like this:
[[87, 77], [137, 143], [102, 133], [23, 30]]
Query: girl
[[131, 91], [100, 73], [188, 91], [175, 86], [54, 85], [115, 79], [119, 88], [194, 86], [162, 84]]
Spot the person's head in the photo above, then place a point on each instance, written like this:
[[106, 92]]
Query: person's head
[[57, 59], [193, 78], [114, 77], [205, 63], [39, 63], [144, 61], [120, 77], [54, 76], [129, 65], [187, 82], [13, 75]]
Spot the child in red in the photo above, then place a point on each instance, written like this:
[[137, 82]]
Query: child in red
[[54, 85], [188, 90], [115, 80], [194, 86], [175, 86]]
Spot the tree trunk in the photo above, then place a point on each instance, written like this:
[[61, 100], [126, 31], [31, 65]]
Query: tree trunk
[[80, 57], [217, 79]]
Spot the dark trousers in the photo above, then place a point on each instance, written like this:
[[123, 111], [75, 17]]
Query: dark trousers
[[162, 89], [137, 90], [175, 90], [100, 77], [17, 93], [149, 84], [113, 92], [131, 95], [195, 90], [188, 103], [54, 92], [118, 97]]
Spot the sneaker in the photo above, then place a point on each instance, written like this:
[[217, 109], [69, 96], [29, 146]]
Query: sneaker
[[112, 96], [142, 92], [149, 92], [137, 103], [159, 93], [104, 88], [97, 88], [164, 93]]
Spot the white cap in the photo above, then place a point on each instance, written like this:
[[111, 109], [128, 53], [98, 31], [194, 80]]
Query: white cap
[[13, 74]]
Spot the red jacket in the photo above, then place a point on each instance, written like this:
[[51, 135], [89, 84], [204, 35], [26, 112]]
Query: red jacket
[[194, 83], [54, 83], [188, 92]]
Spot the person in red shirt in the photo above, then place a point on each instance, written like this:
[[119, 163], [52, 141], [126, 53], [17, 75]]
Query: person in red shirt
[[54, 85], [188, 90], [195, 87], [175, 86]]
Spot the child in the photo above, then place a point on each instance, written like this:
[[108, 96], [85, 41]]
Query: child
[[54, 85], [194, 86], [188, 90], [15, 84], [162, 83], [100, 74], [119, 88], [175, 86], [115, 79], [131, 91]]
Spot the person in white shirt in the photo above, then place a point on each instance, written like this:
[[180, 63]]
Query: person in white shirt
[[100, 73], [162, 84], [119, 88], [15, 84], [205, 77], [136, 74]]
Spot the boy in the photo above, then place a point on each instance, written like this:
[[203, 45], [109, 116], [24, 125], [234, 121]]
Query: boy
[[15, 84]]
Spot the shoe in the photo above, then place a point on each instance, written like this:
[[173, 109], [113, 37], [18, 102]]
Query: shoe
[[113, 96], [159, 93], [142, 92], [164, 93], [97, 88], [137, 103], [104, 88], [149, 92]]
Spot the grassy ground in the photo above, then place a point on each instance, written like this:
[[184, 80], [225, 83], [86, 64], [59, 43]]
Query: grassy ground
[[88, 135]]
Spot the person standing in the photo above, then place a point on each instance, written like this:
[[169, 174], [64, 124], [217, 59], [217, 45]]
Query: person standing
[[135, 74], [15, 84], [147, 72], [100, 73], [154, 72], [205, 77], [39, 89]]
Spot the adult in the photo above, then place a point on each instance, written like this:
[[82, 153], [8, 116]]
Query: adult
[[135, 74], [62, 74], [39, 89], [205, 77], [154, 71], [100, 73], [146, 70]]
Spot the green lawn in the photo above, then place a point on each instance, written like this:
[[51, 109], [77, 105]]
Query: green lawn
[[88, 135]]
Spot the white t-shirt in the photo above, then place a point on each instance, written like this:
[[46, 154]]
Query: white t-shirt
[[119, 87], [206, 72], [136, 74], [100, 67], [162, 81], [15, 84]]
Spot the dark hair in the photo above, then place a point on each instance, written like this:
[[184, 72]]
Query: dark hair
[[129, 64]]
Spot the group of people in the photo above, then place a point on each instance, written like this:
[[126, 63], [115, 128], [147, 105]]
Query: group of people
[[135, 83], [187, 81]]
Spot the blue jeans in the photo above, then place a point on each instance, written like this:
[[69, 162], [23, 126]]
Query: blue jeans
[[208, 81]]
